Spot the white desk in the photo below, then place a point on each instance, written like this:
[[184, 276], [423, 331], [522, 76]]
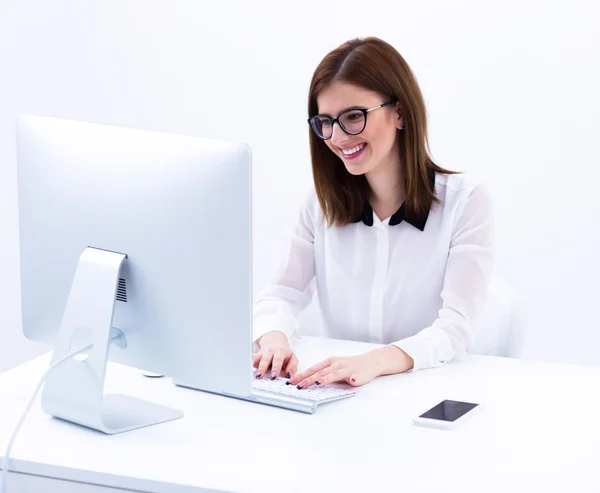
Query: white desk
[[537, 433]]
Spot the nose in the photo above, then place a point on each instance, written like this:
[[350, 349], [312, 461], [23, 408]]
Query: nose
[[338, 136]]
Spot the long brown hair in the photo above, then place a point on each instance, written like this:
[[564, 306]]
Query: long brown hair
[[374, 65]]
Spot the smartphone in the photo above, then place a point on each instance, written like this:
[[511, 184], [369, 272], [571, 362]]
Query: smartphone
[[447, 414]]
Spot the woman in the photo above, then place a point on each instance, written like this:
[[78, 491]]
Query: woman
[[400, 248]]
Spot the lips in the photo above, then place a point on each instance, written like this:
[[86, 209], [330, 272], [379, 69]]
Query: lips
[[354, 151]]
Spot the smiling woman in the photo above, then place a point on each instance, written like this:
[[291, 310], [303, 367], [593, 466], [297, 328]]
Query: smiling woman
[[370, 73], [401, 249]]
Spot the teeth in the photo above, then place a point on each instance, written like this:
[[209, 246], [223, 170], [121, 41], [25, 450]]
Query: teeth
[[354, 150]]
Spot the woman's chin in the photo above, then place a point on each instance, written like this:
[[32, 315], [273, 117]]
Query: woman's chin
[[355, 172], [355, 169]]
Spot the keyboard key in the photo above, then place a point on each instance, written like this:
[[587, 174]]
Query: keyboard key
[[316, 394]]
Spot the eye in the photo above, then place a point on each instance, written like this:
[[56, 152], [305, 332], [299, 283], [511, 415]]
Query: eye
[[354, 116]]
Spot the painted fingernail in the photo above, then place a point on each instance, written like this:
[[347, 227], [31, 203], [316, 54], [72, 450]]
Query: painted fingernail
[[287, 383], [258, 375], [318, 383], [289, 375], [301, 384], [353, 379], [273, 377]]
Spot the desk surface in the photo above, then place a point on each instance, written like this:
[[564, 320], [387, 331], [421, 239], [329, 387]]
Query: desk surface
[[539, 431]]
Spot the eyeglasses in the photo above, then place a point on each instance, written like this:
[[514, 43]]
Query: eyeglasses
[[352, 121]]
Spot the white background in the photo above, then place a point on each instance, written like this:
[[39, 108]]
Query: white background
[[511, 89]]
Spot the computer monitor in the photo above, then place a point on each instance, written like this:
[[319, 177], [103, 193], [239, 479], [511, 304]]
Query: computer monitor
[[140, 234]]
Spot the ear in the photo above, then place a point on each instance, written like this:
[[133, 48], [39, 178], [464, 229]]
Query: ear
[[400, 121]]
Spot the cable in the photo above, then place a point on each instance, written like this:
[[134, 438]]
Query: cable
[[6, 460]]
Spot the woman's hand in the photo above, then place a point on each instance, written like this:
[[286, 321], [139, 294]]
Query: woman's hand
[[355, 370], [275, 352]]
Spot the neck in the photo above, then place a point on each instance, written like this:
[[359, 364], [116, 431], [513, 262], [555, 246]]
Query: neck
[[384, 181]]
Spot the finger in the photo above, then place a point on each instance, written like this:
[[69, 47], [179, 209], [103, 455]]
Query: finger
[[256, 359], [352, 379], [336, 376], [306, 374], [277, 363], [264, 363], [312, 370], [321, 377], [291, 367]]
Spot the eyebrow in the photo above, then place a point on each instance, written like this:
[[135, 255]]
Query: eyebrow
[[349, 108]]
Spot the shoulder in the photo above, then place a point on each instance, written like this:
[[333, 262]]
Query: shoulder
[[460, 183], [459, 188], [310, 208], [465, 198]]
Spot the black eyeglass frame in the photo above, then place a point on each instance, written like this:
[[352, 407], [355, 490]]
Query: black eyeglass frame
[[341, 125]]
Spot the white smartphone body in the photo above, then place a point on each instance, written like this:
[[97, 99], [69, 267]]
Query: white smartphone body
[[447, 414]]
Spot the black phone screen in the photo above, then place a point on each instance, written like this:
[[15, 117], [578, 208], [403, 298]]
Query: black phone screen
[[449, 410]]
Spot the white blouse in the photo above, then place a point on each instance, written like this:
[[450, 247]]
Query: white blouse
[[397, 281]]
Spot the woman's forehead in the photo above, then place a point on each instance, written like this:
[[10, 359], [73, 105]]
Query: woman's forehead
[[339, 96]]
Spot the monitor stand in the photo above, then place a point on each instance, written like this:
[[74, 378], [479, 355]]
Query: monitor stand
[[74, 390]]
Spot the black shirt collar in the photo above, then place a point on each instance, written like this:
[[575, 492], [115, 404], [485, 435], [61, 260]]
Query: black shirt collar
[[366, 216]]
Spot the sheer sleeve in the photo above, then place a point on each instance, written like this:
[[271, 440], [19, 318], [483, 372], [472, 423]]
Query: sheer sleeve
[[468, 272], [277, 306]]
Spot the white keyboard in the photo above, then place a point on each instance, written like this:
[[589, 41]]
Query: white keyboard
[[313, 393]]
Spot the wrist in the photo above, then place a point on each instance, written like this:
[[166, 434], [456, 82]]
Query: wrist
[[273, 338], [389, 360]]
